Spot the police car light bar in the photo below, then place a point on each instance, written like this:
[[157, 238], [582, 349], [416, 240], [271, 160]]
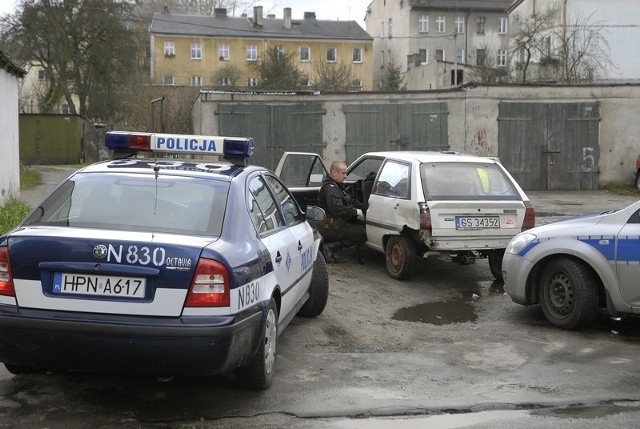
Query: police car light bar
[[229, 147]]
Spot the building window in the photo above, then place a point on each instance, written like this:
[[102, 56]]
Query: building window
[[252, 81], [168, 80], [460, 55], [480, 24], [440, 24], [224, 81], [305, 54], [382, 59], [42, 75], [196, 51], [439, 54], [196, 80], [502, 25], [305, 81], [252, 53], [66, 109], [169, 49], [331, 55], [502, 58], [357, 55], [481, 57], [390, 28], [423, 24], [357, 83], [279, 51], [459, 25], [423, 54], [223, 52], [382, 29]]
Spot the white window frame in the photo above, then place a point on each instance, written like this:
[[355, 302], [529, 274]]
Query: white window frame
[[502, 58], [279, 50], [441, 24], [357, 55], [224, 81], [356, 83], [481, 23], [196, 80], [252, 52], [252, 81], [390, 27], [223, 52], [459, 25], [169, 49], [196, 51], [168, 80], [503, 25], [423, 24], [444, 55], [334, 50], [305, 58], [460, 55]]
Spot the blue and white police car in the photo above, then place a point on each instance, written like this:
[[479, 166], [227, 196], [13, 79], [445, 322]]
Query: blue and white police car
[[578, 267], [160, 266]]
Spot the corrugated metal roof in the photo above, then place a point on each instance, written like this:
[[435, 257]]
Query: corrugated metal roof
[[488, 5], [212, 26], [10, 67]]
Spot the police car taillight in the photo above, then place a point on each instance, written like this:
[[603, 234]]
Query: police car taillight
[[229, 147], [6, 281], [425, 216], [210, 285]]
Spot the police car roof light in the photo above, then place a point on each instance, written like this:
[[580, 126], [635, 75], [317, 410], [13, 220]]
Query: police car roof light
[[229, 147]]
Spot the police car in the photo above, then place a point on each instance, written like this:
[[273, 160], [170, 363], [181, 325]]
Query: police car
[[160, 266], [578, 267]]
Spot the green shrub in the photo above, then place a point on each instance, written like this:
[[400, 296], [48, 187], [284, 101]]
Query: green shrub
[[12, 213]]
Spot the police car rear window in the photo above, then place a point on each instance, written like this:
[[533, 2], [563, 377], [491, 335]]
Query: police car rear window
[[466, 181], [135, 202]]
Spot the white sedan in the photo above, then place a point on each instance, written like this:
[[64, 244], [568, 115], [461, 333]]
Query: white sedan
[[578, 267]]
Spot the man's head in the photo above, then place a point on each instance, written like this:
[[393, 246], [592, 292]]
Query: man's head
[[338, 171]]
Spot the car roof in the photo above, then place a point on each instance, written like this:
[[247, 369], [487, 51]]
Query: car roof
[[222, 169], [431, 156]]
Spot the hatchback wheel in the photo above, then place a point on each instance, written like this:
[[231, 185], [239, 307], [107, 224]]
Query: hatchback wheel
[[258, 375], [568, 294], [401, 257]]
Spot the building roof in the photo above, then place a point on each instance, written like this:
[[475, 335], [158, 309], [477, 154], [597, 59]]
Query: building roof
[[225, 26], [454, 5], [9, 66]]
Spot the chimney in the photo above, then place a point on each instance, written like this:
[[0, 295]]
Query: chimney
[[257, 16], [220, 12], [286, 13], [165, 10], [310, 15]]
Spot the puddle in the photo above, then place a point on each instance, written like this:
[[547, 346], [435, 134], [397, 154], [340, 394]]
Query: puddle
[[456, 310]]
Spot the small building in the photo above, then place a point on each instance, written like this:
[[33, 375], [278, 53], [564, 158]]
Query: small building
[[219, 50], [10, 75]]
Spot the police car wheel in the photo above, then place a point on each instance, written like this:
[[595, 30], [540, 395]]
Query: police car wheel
[[400, 257], [495, 264], [258, 375], [568, 293], [21, 369], [318, 290]]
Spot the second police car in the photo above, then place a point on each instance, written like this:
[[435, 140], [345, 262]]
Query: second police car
[[165, 267]]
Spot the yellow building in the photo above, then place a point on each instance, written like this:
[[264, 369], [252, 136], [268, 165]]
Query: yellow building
[[219, 50]]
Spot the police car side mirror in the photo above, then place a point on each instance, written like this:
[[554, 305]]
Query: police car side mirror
[[315, 213]]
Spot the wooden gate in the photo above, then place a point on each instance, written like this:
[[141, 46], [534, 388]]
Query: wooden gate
[[550, 146]]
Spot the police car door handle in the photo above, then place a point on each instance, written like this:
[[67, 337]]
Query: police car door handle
[[278, 257], [299, 245]]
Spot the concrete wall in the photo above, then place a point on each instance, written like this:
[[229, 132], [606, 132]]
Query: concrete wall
[[9, 146], [473, 117]]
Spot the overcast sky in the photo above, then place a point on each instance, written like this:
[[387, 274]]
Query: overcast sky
[[343, 10]]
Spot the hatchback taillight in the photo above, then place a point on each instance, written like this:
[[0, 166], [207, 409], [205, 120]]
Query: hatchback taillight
[[210, 285], [529, 216], [425, 216], [6, 281]]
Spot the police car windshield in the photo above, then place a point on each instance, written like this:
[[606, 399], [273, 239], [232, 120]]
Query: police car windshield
[[136, 202], [466, 180]]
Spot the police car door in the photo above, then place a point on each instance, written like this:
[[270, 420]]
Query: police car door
[[276, 237], [302, 256]]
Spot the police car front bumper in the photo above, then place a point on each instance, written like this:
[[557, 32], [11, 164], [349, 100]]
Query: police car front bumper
[[156, 346]]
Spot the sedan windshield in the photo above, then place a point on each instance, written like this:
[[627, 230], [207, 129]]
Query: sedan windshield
[[136, 202]]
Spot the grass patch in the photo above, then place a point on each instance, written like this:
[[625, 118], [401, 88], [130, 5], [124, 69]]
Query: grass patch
[[29, 178], [12, 213], [621, 189]]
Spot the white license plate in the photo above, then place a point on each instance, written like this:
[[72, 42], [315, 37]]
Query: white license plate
[[477, 222], [88, 284]]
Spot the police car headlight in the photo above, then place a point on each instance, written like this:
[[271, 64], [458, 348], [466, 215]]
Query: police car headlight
[[519, 242]]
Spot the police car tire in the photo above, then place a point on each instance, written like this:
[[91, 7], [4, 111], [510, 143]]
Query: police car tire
[[568, 293], [400, 247], [258, 375], [495, 264], [318, 290]]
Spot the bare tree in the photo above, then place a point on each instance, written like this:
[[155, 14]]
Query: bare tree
[[486, 70], [529, 39], [227, 75], [332, 76], [278, 70]]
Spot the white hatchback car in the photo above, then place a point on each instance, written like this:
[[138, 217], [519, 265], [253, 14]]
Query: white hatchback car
[[419, 204]]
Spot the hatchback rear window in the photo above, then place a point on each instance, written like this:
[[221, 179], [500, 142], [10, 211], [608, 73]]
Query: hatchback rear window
[[136, 202], [468, 181]]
